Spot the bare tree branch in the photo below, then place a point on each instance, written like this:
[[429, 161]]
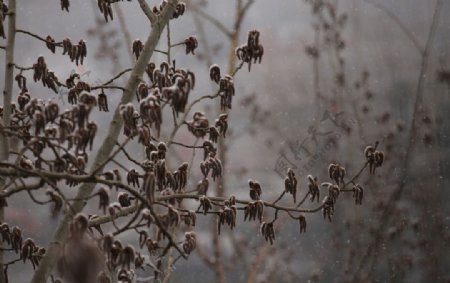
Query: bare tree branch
[[147, 11], [49, 260], [59, 44]]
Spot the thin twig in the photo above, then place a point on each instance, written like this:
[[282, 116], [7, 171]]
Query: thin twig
[[59, 44], [187, 146], [117, 76]]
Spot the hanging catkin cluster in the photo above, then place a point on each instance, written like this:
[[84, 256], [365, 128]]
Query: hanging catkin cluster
[[252, 51]]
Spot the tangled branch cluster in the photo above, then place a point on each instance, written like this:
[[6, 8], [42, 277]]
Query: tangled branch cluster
[[26, 249], [55, 148]]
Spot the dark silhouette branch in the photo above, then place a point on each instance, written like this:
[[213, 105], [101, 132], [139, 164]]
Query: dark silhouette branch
[[59, 44]]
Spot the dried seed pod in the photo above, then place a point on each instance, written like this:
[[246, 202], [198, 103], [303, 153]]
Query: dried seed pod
[[91, 132], [67, 47], [150, 111], [5, 232], [105, 8], [142, 91], [378, 159], [57, 201], [39, 122], [160, 173], [147, 217], [124, 199], [227, 216], [255, 190], [333, 191], [180, 176], [21, 82], [51, 43], [252, 51], [139, 261], [327, 207], [249, 212], [65, 5], [222, 124], [190, 242], [211, 164], [226, 91], [149, 69], [179, 9], [23, 99], [152, 246], [313, 187], [50, 80], [137, 47], [102, 102], [254, 210], [199, 125], [268, 231], [290, 184], [127, 112], [302, 223], [81, 52], [73, 96], [28, 249], [374, 157], [205, 204], [103, 194], [16, 239], [202, 186], [144, 135], [190, 218], [214, 73], [88, 99], [51, 111], [213, 135], [358, 193], [40, 69], [191, 44], [336, 173], [127, 256], [208, 148], [133, 178]]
